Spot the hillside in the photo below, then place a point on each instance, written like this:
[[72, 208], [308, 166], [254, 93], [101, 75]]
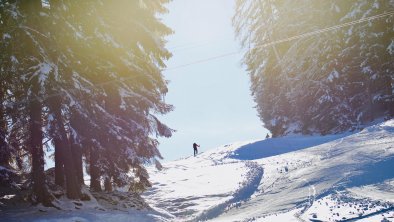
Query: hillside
[[344, 177], [315, 178]]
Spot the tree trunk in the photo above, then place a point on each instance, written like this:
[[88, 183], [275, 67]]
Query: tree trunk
[[64, 151], [108, 184], [76, 150], [59, 163], [390, 92], [40, 190], [4, 150], [73, 188], [94, 170], [76, 146], [370, 108]]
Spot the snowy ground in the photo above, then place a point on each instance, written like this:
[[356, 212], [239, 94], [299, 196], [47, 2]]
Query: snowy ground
[[296, 178], [348, 177], [114, 206]]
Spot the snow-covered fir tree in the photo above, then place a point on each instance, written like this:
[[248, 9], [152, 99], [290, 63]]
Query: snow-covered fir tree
[[86, 78], [327, 81]]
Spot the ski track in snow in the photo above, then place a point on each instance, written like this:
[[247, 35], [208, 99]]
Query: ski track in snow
[[250, 185], [181, 206], [369, 215]]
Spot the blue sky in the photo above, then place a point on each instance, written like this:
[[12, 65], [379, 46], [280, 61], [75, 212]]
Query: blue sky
[[212, 100]]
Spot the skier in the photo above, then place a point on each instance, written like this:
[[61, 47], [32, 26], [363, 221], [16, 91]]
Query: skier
[[268, 136], [195, 148]]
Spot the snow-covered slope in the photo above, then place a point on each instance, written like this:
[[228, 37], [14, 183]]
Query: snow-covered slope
[[315, 178], [344, 177]]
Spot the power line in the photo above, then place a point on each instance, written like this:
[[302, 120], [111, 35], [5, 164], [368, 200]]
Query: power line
[[288, 39], [316, 32], [326, 29], [202, 60]]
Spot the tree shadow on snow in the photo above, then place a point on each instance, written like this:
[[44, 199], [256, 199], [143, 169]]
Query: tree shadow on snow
[[373, 173], [277, 146]]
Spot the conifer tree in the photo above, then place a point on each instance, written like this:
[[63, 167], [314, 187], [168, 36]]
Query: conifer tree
[[85, 76], [315, 82]]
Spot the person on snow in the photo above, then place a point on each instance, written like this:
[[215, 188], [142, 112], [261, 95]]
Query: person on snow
[[268, 136], [195, 148]]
